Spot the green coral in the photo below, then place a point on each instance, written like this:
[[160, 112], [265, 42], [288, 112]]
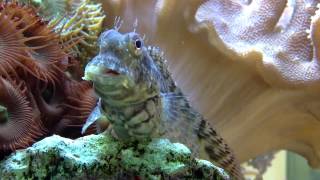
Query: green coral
[[103, 157], [78, 22], [49, 9], [3, 114], [84, 23]]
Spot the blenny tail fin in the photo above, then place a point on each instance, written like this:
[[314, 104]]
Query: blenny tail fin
[[215, 147]]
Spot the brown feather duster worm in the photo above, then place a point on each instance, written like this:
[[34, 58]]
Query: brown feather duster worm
[[38, 50], [13, 51], [80, 102], [38, 97], [20, 126]]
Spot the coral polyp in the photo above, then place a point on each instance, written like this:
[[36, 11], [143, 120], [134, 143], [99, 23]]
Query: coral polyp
[[34, 81], [20, 125], [12, 48], [85, 21], [80, 101], [29, 43], [78, 23]]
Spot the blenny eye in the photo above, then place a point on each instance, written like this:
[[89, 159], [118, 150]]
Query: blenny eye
[[138, 44]]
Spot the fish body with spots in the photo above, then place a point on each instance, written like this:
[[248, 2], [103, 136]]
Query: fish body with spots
[[141, 101]]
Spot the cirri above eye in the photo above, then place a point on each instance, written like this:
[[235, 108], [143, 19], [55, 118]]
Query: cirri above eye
[[138, 43]]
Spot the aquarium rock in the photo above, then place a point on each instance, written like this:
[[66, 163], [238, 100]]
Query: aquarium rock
[[103, 157]]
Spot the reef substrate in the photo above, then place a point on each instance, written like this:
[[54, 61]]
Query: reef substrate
[[103, 157]]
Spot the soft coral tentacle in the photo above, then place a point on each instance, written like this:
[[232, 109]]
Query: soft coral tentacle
[[23, 127]]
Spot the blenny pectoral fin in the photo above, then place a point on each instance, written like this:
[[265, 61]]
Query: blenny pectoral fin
[[95, 115]]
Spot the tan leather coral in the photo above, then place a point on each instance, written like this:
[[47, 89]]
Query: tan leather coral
[[272, 34], [234, 73]]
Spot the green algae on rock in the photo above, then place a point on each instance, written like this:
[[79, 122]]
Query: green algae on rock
[[101, 157]]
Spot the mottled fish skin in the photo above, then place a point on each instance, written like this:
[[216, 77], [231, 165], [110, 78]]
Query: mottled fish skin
[[126, 80], [141, 100], [184, 124]]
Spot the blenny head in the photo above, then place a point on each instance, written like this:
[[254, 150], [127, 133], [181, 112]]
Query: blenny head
[[123, 67]]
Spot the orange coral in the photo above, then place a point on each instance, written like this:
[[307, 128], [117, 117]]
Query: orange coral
[[32, 106], [42, 55], [21, 126], [81, 100], [12, 48]]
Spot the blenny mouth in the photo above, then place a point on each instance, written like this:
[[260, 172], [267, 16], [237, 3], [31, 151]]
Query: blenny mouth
[[110, 72], [94, 72]]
